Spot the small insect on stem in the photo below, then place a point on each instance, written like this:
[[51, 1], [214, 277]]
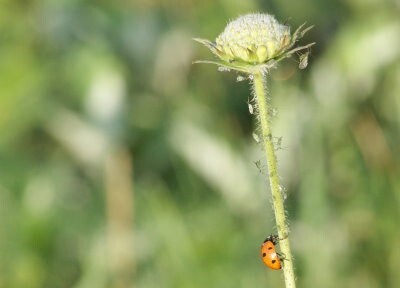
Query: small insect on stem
[[303, 60], [251, 108], [278, 143], [256, 137]]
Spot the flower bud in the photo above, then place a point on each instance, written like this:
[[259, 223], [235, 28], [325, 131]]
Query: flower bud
[[253, 38], [253, 42]]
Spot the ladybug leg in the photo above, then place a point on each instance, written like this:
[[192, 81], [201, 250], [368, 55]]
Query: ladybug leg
[[276, 237], [281, 256], [284, 237]]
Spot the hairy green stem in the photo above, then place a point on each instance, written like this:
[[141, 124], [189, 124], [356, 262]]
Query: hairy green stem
[[259, 83]]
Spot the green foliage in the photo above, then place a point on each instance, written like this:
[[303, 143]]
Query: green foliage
[[83, 82]]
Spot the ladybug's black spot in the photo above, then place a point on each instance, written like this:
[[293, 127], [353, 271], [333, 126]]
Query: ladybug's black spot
[[264, 254], [269, 248], [273, 261]]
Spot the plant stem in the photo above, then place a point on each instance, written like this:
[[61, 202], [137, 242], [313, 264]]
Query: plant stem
[[259, 83]]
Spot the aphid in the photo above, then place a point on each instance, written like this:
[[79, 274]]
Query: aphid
[[303, 60], [256, 138], [259, 166], [270, 257], [240, 78], [223, 69], [278, 143], [251, 108]]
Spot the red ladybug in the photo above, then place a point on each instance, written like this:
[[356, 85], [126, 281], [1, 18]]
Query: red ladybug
[[270, 257]]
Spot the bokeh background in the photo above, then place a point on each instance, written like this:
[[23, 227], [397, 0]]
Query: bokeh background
[[124, 165]]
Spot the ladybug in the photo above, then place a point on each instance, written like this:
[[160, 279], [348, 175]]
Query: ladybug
[[269, 256]]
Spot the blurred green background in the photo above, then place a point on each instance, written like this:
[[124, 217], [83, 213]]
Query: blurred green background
[[124, 165]]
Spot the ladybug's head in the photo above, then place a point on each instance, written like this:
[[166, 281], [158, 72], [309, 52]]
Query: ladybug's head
[[272, 238]]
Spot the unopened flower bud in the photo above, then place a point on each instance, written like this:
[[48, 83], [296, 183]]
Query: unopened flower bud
[[254, 41], [253, 38]]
